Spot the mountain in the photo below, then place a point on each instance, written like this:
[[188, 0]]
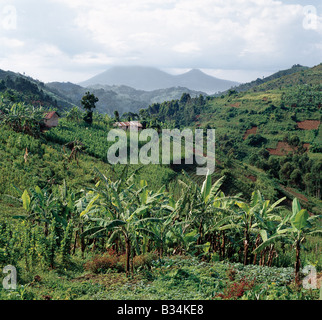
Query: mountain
[[148, 79], [120, 98], [64, 95]]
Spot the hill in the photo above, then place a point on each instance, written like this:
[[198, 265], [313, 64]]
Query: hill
[[121, 98], [256, 83], [268, 139], [270, 135], [77, 227], [148, 79], [65, 95], [21, 88], [304, 76]]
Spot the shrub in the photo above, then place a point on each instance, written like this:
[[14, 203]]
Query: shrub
[[236, 289], [145, 260], [100, 264]]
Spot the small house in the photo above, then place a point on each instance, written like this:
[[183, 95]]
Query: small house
[[51, 119], [129, 126]]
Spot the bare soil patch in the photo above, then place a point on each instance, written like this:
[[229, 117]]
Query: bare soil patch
[[252, 178], [283, 148], [296, 194], [308, 124], [253, 130]]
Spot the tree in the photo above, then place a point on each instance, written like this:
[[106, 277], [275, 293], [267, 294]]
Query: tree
[[252, 217], [294, 229], [116, 115], [23, 118], [185, 98], [201, 200], [119, 211], [74, 114], [88, 102]]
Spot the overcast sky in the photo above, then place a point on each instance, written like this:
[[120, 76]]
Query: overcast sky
[[241, 40]]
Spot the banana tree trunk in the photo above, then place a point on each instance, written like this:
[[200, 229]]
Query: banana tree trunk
[[161, 250], [128, 255], [223, 245], [83, 245], [297, 263], [200, 234], [270, 255], [75, 242], [257, 242], [246, 246]]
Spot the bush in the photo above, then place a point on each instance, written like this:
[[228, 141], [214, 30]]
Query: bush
[[236, 289], [145, 260], [110, 261], [101, 264]]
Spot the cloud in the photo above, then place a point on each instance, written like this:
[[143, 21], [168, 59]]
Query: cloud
[[81, 38], [187, 47]]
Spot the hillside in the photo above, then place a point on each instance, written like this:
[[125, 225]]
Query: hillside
[[311, 76], [258, 82], [78, 228], [256, 129], [26, 89], [271, 134], [149, 79], [121, 98]]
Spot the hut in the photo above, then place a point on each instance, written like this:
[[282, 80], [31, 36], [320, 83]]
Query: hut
[[130, 125], [51, 119]]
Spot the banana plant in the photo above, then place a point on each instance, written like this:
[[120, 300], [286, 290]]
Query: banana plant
[[171, 228], [40, 206], [201, 201], [118, 210], [23, 118], [220, 221], [252, 218], [293, 229]]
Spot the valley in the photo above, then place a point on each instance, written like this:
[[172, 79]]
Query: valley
[[77, 227]]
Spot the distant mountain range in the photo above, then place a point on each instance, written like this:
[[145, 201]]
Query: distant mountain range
[[149, 79], [120, 98], [124, 98]]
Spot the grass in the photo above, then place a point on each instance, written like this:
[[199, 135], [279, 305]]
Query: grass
[[173, 278]]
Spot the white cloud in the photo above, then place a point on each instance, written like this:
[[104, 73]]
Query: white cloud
[[186, 47], [10, 43], [79, 37]]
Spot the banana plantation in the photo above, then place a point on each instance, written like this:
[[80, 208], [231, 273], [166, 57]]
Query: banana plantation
[[130, 225]]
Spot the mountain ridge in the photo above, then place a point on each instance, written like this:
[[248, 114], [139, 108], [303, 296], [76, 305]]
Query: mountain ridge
[[150, 78], [121, 98], [271, 78]]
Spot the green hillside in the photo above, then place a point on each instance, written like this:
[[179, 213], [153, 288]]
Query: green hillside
[[275, 76], [20, 88], [77, 227], [275, 133]]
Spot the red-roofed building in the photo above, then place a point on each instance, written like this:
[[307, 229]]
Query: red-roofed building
[[51, 119]]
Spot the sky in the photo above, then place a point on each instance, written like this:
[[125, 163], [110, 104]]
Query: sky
[[240, 40]]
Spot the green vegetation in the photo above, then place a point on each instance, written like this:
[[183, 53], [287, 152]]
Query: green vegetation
[[76, 227]]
